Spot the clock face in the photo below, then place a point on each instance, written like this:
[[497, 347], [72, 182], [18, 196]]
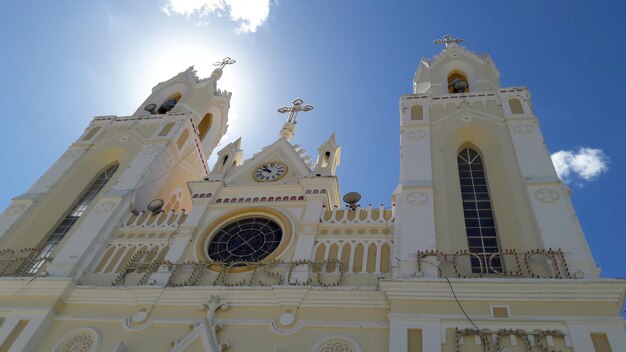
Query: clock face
[[270, 171], [246, 240]]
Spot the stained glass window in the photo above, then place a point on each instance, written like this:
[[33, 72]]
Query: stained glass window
[[246, 240]]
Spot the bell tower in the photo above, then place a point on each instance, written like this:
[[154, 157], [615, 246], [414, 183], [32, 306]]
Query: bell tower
[[120, 163], [476, 179]]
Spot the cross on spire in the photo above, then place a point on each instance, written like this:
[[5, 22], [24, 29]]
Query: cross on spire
[[298, 105], [448, 40], [226, 61]]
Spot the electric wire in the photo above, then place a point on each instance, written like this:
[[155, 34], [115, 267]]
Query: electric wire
[[453, 293], [166, 171]]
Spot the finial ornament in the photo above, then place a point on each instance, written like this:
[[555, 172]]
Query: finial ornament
[[448, 40], [226, 61], [289, 128], [298, 105]]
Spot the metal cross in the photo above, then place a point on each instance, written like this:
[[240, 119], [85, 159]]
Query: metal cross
[[298, 105], [226, 61], [448, 40]]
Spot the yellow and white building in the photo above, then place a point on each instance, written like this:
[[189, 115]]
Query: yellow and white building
[[481, 249]]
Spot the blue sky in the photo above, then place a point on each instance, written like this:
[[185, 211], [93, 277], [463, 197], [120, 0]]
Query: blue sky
[[64, 62]]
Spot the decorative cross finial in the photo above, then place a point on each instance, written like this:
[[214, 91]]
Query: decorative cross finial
[[448, 40], [226, 61], [298, 105]]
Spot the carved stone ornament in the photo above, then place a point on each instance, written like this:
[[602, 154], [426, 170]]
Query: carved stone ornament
[[417, 198], [15, 209], [416, 134], [81, 340], [524, 128], [336, 343], [123, 139], [104, 207], [547, 195], [151, 149], [336, 346], [70, 154]]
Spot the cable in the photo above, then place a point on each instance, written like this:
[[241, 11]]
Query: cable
[[453, 293], [18, 290], [167, 171]]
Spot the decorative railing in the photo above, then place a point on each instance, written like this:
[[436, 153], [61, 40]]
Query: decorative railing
[[490, 340], [535, 263], [357, 255], [359, 216], [23, 262], [163, 220]]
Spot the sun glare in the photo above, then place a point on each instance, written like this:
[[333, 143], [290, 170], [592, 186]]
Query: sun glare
[[162, 65]]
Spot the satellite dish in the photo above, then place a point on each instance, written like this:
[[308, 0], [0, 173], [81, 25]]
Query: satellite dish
[[155, 206], [459, 85], [352, 198], [151, 108]]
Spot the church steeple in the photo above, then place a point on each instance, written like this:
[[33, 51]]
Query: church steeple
[[444, 73], [475, 150]]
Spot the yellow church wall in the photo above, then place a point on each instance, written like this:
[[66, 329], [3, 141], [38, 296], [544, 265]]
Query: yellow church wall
[[157, 338], [49, 209]]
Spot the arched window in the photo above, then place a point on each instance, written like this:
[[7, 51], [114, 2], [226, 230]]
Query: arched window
[[76, 211], [166, 129], [169, 103], [205, 125], [417, 112], [325, 159], [182, 139], [480, 226], [457, 82], [516, 106]]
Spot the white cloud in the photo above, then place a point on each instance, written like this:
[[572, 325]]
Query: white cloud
[[586, 164], [250, 14]]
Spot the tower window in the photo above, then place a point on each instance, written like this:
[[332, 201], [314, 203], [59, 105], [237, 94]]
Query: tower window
[[77, 210], [325, 159], [182, 139], [480, 226], [417, 112], [457, 82], [166, 129], [516, 106], [205, 125], [169, 103]]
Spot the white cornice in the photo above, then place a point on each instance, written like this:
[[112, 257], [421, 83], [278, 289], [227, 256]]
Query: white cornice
[[35, 286], [507, 289], [347, 297]]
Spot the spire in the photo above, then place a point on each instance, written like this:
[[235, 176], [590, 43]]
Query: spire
[[289, 128]]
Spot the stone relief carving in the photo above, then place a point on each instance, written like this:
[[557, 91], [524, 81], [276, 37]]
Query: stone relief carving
[[547, 195], [104, 207], [417, 198], [81, 340]]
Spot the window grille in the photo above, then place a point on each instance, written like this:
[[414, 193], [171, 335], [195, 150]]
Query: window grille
[[480, 224], [76, 211]]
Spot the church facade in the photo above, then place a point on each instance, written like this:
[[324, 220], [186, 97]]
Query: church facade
[[132, 242]]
